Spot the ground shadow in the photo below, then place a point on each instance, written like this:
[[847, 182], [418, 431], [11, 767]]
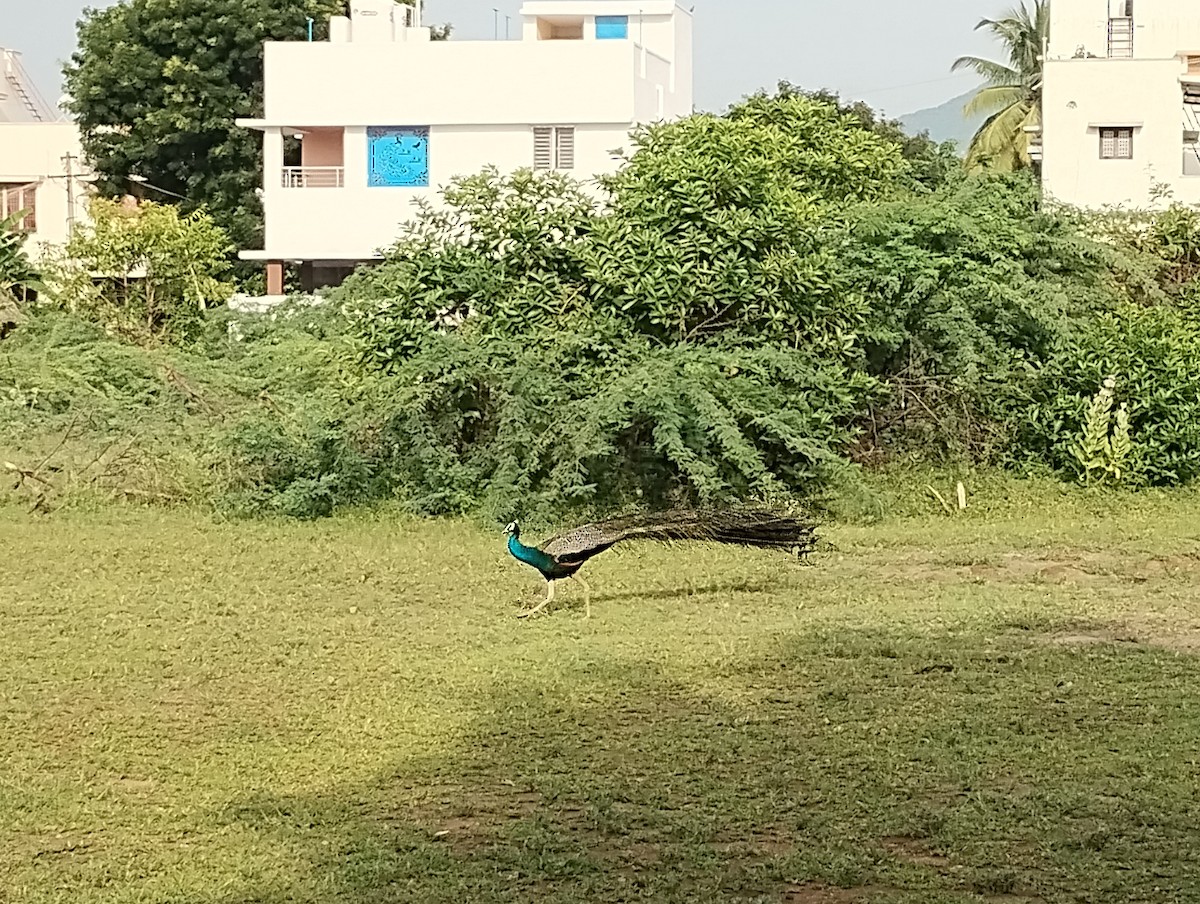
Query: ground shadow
[[641, 788]]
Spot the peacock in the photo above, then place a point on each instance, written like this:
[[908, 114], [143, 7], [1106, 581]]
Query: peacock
[[563, 555]]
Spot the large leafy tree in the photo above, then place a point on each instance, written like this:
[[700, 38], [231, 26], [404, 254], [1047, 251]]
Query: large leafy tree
[[1012, 92], [156, 85], [930, 162]]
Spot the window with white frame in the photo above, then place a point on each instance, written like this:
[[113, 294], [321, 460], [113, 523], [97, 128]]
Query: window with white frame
[[1116, 144], [554, 147], [18, 197]]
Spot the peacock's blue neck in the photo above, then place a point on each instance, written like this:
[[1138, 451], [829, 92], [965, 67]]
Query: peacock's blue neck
[[529, 555]]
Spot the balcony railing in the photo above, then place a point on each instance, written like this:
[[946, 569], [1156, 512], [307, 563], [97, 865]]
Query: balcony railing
[[314, 176], [1120, 38]]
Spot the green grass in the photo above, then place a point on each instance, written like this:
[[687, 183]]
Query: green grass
[[999, 707]]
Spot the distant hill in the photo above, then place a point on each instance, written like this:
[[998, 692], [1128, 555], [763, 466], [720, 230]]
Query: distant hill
[[945, 122]]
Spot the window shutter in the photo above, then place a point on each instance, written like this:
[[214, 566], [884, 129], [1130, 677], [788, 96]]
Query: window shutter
[[543, 147], [566, 147], [1125, 143], [1108, 143]]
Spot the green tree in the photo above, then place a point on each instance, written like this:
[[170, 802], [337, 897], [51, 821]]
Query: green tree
[[717, 223], [931, 162], [147, 273], [155, 88], [1012, 92]]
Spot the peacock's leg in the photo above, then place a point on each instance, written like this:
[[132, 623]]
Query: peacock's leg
[[587, 596], [542, 605]]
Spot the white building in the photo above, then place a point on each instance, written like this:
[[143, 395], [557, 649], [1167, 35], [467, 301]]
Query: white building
[[41, 166], [1121, 103], [384, 115]]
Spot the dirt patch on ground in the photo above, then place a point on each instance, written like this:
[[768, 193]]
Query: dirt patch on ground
[[914, 851], [1056, 567], [50, 847], [815, 893], [1181, 638], [468, 820], [761, 844]]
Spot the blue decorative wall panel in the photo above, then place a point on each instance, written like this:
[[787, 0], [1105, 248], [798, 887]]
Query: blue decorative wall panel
[[398, 156], [612, 28]]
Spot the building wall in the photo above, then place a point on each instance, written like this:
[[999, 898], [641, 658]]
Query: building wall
[[449, 82], [1085, 91], [1083, 95], [34, 152], [322, 147], [479, 100], [684, 43], [1162, 28], [355, 221]]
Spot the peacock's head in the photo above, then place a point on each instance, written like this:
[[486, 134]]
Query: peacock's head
[[513, 528]]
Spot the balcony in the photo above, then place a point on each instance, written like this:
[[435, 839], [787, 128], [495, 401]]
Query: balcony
[[313, 177]]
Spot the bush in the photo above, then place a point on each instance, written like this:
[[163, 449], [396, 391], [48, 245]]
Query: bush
[[720, 223], [1153, 354], [505, 248], [145, 273], [968, 290], [601, 417], [18, 276]]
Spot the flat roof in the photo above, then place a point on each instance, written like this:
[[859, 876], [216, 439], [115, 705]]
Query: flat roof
[[601, 8]]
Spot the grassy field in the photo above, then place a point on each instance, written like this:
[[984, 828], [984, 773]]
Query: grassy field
[[1001, 708]]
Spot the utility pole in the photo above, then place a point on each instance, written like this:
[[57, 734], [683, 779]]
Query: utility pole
[[68, 161]]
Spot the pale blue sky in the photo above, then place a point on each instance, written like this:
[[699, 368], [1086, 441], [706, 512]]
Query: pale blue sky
[[895, 55]]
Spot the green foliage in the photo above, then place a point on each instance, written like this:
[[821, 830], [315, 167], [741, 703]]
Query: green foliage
[[708, 350], [298, 465], [553, 418], [1155, 254], [18, 277], [148, 273], [1156, 351], [506, 248], [717, 223], [155, 88], [930, 163], [968, 282], [969, 290], [1104, 449]]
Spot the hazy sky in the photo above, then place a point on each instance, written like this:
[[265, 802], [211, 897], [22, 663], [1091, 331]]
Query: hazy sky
[[895, 55]]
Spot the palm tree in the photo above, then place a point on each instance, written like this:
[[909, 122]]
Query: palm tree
[[1011, 94]]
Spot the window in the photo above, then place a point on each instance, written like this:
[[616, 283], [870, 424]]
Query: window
[[398, 157], [554, 147], [15, 197], [612, 28], [560, 28], [1116, 144]]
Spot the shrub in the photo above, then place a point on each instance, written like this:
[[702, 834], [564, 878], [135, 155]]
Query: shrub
[[145, 273], [968, 290], [505, 248], [599, 416], [1154, 356], [720, 223]]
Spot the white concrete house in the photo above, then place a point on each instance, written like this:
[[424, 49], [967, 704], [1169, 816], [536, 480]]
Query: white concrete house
[[1121, 103], [41, 167], [384, 115]]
